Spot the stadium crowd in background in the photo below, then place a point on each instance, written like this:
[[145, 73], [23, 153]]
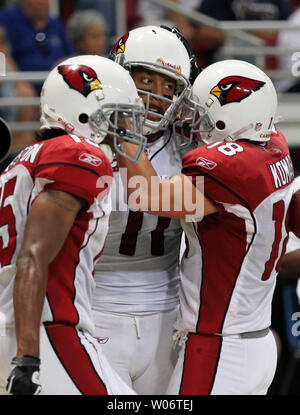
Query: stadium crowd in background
[[39, 40], [20, 89], [87, 31]]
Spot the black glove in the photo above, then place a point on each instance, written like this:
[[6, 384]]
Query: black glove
[[24, 378]]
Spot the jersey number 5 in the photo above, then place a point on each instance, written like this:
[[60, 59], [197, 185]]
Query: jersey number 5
[[7, 223]]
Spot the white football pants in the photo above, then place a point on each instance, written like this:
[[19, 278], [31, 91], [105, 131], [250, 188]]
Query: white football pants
[[72, 363], [139, 348], [214, 365]]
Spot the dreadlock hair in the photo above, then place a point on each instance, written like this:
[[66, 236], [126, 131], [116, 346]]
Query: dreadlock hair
[[49, 133]]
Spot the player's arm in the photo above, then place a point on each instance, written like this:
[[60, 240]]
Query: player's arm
[[290, 265], [176, 197], [49, 221], [48, 224], [294, 222]]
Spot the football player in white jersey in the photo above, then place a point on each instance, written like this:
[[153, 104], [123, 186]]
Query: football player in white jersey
[[234, 253], [136, 298], [54, 210], [290, 265]]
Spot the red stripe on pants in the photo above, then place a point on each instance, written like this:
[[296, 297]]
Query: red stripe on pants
[[75, 359], [200, 364]]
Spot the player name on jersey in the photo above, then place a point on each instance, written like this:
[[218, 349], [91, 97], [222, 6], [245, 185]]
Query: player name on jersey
[[282, 171], [27, 154]]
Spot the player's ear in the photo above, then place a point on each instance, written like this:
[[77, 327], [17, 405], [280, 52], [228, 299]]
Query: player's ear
[[5, 139]]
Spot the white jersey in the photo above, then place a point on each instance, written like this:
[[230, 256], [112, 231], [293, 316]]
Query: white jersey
[[69, 164], [138, 270], [233, 257]]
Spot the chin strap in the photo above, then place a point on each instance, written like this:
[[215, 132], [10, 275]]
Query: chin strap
[[237, 134], [107, 151], [278, 119], [147, 129], [52, 119]]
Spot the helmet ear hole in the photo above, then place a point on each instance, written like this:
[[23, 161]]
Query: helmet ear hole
[[83, 118], [220, 125]]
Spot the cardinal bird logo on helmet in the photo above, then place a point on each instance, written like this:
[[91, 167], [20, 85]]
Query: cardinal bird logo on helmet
[[80, 77], [235, 89], [120, 45]]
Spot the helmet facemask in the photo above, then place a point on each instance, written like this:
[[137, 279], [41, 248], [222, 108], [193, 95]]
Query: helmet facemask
[[181, 90], [120, 123], [193, 122]]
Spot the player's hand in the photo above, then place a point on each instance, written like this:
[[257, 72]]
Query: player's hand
[[24, 377]]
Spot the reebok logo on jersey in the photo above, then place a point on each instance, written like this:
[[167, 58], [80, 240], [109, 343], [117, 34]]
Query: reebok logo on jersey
[[207, 164], [90, 159]]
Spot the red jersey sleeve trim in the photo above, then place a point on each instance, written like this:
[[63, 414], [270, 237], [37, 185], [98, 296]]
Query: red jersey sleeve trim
[[86, 187], [74, 190], [193, 170]]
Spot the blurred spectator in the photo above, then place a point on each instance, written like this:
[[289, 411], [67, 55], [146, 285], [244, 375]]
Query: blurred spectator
[[108, 10], [246, 9], [20, 139], [143, 12], [243, 10], [203, 39], [37, 40], [290, 39], [150, 13], [132, 14], [87, 31]]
